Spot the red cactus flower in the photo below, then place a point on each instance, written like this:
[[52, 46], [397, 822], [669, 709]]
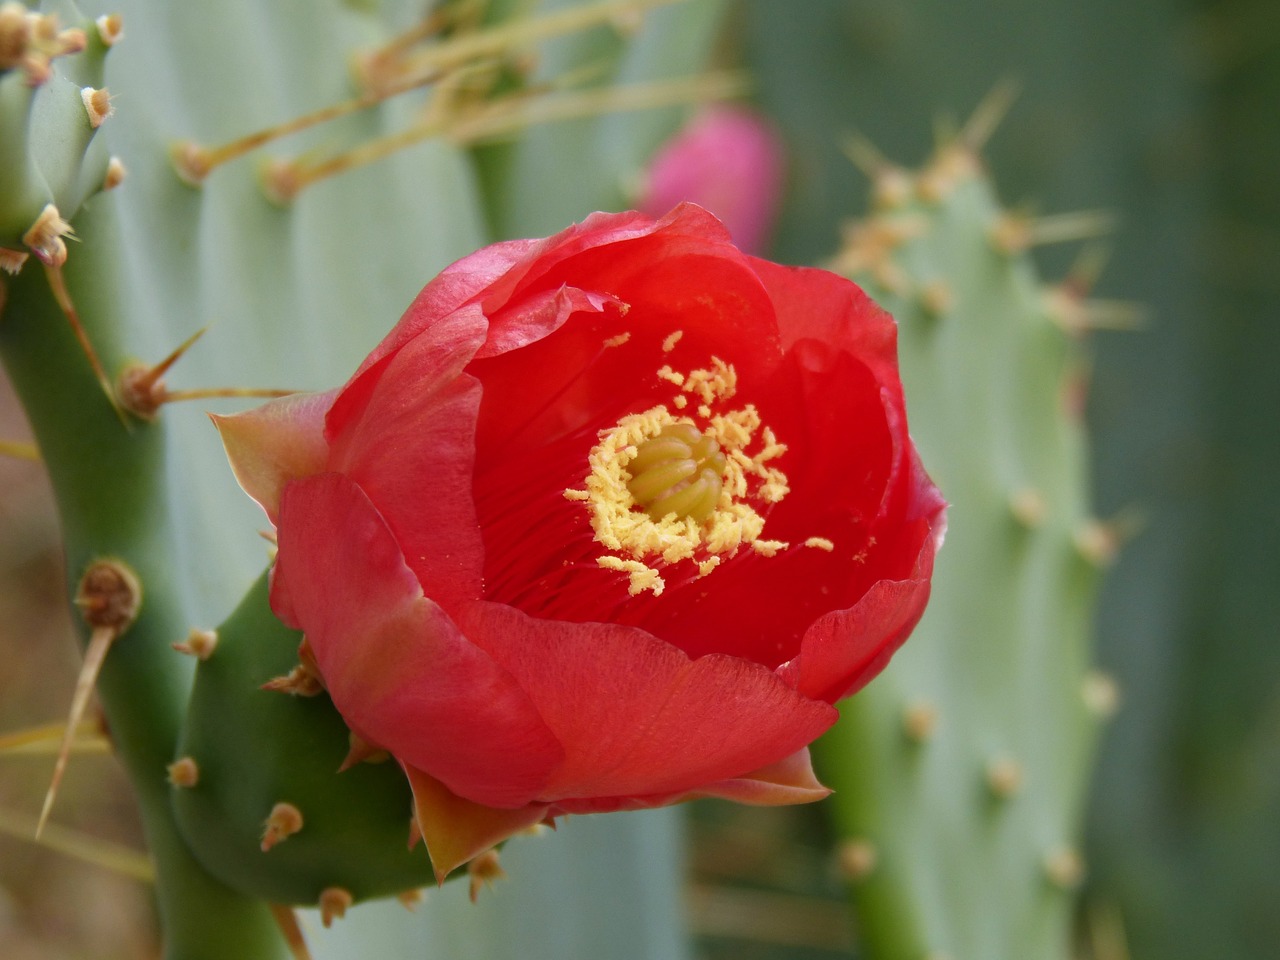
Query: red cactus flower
[[607, 521], [728, 160]]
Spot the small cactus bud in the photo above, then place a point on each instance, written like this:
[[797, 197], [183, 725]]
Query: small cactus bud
[[362, 751], [283, 822], [183, 772], [109, 596], [334, 903], [409, 899]]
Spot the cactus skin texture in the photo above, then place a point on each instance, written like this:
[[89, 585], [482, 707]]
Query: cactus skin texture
[[960, 773]]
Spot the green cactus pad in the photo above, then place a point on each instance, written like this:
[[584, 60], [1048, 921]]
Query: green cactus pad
[[960, 773], [254, 748]]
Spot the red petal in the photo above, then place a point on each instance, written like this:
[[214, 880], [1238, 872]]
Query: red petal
[[396, 666], [408, 441], [635, 715], [277, 442], [457, 830]]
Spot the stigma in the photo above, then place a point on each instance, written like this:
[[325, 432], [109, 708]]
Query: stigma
[[679, 472]]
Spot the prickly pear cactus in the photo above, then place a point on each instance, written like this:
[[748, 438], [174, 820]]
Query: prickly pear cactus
[[960, 773], [286, 175]]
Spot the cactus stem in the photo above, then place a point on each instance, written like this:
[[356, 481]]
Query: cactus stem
[[108, 598], [183, 772], [19, 450], [409, 899], [283, 822], [97, 105], [44, 739], [483, 871], [199, 644], [1004, 777], [115, 174], [334, 904], [857, 859], [110, 29], [987, 115], [287, 920], [88, 849]]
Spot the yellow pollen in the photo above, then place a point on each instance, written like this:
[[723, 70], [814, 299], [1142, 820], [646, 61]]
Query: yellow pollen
[[619, 340], [669, 344], [820, 543], [663, 488], [666, 373]]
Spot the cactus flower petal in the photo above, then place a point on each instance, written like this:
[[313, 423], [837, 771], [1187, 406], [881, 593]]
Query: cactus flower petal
[[411, 669], [608, 521], [277, 442]]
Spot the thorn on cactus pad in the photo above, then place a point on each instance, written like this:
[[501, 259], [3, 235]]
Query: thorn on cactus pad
[[857, 859], [19, 450], [110, 29], [1028, 507], [183, 772], [1004, 777], [483, 870], [988, 114], [97, 105], [190, 161], [937, 298], [11, 261], [1014, 233], [409, 899], [920, 721], [1101, 694], [287, 920], [115, 174], [1098, 542], [334, 904], [282, 823], [199, 644], [362, 751], [1064, 868], [45, 236], [108, 597], [304, 680]]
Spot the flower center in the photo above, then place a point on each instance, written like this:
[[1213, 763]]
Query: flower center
[[679, 472], [666, 488]]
